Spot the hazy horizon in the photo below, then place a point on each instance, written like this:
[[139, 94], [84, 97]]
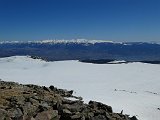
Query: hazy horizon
[[78, 39]]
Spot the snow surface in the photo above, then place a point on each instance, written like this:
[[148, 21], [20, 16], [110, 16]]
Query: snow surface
[[133, 87]]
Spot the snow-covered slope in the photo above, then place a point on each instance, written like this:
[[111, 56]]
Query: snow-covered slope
[[133, 88]]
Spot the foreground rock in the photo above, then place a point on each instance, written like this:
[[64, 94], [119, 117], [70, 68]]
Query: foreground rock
[[32, 102]]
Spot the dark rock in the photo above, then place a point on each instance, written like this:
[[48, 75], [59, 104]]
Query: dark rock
[[66, 101], [47, 115], [15, 113], [98, 105], [133, 118], [117, 116], [3, 87], [76, 107], [99, 117], [65, 115], [4, 115], [76, 117], [46, 88], [41, 108], [70, 92], [66, 112], [29, 109], [33, 101], [26, 117], [52, 87], [79, 98]]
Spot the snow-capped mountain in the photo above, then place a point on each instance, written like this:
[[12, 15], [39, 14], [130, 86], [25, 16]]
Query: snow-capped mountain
[[76, 41], [82, 49]]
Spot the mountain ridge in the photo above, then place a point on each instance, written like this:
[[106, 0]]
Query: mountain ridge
[[53, 50]]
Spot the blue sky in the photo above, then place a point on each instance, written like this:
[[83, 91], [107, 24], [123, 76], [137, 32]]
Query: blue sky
[[116, 20]]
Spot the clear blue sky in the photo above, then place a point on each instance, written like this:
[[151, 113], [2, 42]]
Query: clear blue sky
[[117, 20]]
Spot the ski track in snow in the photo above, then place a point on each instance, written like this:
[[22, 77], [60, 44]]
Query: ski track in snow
[[133, 88]]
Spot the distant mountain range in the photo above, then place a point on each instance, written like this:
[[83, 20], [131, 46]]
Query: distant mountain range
[[55, 50]]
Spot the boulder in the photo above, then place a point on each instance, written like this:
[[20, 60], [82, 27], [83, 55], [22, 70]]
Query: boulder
[[4, 115], [100, 106], [47, 115]]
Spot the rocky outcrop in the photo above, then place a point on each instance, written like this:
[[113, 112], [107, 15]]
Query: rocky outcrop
[[32, 102]]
